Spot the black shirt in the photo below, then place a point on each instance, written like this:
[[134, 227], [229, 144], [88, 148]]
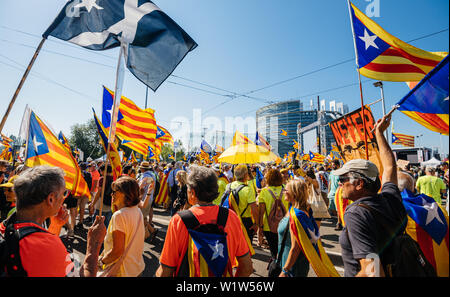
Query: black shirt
[[362, 235]]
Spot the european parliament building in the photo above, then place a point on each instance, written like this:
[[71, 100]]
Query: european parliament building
[[287, 115]]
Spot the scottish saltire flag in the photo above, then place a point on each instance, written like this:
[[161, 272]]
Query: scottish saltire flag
[[114, 157], [306, 233], [135, 127], [428, 225], [155, 44], [382, 56], [44, 148], [403, 139], [260, 140], [240, 138], [427, 102]]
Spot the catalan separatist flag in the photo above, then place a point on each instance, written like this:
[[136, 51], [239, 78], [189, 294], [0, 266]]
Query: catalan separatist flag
[[428, 225], [295, 144], [163, 135], [260, 140], [316, 157], [133, 124], [163, 195], [283, 133], [427, 102], [219, 149], [240, 138], [382, 56], [114, 157], [6, 154], [132, 157], [5, 140], [403, 139], [306, 233], [44, 148], [341, 204]]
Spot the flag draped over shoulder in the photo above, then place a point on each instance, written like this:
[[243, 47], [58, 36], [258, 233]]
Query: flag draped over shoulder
[[163, 195], [306, 233], [427, 102], [155, 44], [382, 56], [428, 225], [44, 148], [135, 127], [114, 157], [403, 139]]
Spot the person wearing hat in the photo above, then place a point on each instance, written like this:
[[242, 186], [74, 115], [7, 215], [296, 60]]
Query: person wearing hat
[[363, 237], [8, 190]]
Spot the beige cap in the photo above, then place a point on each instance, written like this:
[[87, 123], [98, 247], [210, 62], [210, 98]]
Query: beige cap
[[361, 166]]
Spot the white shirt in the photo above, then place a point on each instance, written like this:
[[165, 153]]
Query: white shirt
[[126, 220]]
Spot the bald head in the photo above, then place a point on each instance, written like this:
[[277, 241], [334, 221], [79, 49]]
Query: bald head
[[405, 181]]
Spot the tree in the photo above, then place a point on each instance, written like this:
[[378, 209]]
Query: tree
[[86, 138], [167, 149]]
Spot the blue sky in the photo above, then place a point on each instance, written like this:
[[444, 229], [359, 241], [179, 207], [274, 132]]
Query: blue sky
[[244, 47]]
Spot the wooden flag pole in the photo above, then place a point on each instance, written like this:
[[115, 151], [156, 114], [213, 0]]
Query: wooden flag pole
[[359, 79], [114, 116], [22, 81]]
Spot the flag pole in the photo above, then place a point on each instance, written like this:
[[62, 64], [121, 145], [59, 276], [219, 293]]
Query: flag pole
[[22, 81], [359, 79], [114, 116]]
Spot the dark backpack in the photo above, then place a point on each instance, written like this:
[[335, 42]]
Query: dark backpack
[[235, 192], [277, 212], [10, 262], [200, 234], [402, 256]]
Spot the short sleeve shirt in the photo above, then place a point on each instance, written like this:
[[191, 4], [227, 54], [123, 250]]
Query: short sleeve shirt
[[362, 235], [266, 198], [246, 197], [222, 186], [175, 243], [431, 186]]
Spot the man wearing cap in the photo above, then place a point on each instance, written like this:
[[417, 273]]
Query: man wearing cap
[[363, 238], [431, 185], [8, 190]]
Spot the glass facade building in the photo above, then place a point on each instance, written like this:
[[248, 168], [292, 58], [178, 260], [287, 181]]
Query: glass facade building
[[271, 119]]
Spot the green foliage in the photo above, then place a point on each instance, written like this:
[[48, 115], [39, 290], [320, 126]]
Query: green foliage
[[86, 138]]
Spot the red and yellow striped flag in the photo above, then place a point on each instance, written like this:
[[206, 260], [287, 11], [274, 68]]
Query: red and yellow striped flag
[[44, 148], [382, 56], [240, 138], [163, 195]]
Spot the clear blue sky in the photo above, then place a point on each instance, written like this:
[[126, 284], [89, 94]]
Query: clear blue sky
[[243, 46]]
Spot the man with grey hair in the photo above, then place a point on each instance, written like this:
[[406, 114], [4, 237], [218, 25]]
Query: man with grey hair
[[431, 185], [40, 193], [405, 181]]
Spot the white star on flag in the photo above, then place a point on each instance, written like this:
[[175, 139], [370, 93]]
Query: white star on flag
[[217, 249], [89, 4], [369, 40], [36, 143], [432, 212]]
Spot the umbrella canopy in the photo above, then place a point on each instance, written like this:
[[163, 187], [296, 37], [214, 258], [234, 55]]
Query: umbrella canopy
[[246, 154]]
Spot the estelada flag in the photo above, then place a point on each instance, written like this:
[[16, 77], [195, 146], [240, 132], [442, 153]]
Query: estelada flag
[[260, 140], [382, 56], [240, 138], [306, 233], [341, 204], [402, 139], [163, 135], [114, 157], [427, 102], [428, 225], [44, 148], [283, 133], [163, 195]]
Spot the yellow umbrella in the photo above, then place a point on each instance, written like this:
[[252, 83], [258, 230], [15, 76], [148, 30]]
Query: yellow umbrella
[[246, 154]]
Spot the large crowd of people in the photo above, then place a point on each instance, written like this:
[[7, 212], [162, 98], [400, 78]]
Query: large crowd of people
[[37, 198]]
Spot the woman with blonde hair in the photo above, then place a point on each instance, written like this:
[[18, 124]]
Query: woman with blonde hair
[[181, 202]]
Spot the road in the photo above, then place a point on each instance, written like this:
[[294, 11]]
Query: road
[[161, 218]]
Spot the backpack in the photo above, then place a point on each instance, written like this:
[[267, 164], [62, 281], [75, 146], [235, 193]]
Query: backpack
[[402, 256], [277, 212], [10, 262], [224, 202], [211, 243]]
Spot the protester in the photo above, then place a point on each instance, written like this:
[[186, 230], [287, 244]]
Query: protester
[[313, 186], [147, 182], [181, 202], [176, 166], [124, 241], [95, 203], [293, 260], [202, 190], [10, 196], [40, 193], [266, 198], [4, 205], [363, 235], [84, 199], [333, 186], [222, 182], [431, 185]]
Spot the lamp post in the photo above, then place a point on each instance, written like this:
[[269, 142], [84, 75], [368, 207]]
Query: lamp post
[[379, 84], [175, 144]]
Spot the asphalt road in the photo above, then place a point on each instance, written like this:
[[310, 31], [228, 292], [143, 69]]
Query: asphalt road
[[161, 218]]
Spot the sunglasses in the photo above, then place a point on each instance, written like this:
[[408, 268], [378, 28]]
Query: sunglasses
[[344, 179]]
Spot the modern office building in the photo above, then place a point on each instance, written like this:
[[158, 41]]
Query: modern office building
[[271, 119]]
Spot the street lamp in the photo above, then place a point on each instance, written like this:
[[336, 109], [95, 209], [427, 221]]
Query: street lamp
[[379, 84]]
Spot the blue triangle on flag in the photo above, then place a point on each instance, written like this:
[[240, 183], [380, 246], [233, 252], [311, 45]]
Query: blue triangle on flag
[[37, 144]]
